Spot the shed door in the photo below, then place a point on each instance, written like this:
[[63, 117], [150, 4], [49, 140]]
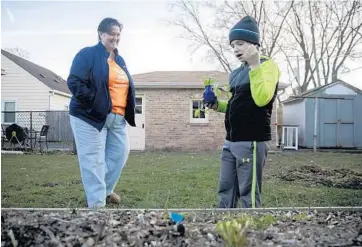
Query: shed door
[[337, 123]]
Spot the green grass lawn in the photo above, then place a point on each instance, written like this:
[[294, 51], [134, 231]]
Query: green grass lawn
[[169, 180]]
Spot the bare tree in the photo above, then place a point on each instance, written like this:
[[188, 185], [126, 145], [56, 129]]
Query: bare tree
[[327, 34], [208, 29], [323, 34]]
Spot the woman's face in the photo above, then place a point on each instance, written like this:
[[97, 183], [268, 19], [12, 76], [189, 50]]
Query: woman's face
[[111, 39]]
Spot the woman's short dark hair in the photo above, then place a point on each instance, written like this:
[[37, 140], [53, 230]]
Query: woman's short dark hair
[[106, 25]]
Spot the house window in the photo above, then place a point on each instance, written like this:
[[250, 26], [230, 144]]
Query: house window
[[139, 109], [202, 117], [9, 112]]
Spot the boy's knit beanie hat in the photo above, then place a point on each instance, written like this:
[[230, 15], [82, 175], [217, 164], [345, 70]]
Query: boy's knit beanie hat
[[246, 29]]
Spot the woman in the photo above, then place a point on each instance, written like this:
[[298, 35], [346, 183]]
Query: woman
[[103, 101]]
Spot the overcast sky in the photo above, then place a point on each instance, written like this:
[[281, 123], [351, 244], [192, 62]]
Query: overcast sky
[[52, 32]]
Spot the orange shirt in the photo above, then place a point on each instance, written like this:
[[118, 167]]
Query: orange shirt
[[118, 87]]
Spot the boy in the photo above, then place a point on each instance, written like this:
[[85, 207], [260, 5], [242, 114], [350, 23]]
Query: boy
[[247, 118]]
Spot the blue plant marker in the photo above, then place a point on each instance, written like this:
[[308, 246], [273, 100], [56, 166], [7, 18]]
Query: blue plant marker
[[177, 218]]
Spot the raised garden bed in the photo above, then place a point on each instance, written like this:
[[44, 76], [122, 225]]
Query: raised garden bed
[[154, 228]]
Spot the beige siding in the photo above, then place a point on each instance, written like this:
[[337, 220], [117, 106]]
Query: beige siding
[[19, 85], [59, 102], [29, 94], [169, 127]]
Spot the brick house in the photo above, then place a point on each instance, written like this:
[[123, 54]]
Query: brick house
[[165, 102]]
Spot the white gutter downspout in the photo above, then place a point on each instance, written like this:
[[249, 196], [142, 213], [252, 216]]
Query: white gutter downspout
[[51, 93], [60, 93]]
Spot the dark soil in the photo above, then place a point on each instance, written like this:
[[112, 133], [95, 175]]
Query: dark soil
[[107, 228], [312, 175]]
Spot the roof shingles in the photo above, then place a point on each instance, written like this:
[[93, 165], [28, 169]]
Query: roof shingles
[[49, 78]]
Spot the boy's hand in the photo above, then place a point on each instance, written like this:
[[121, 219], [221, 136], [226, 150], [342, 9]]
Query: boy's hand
[[252, 56], [211, 106], [214, 106]]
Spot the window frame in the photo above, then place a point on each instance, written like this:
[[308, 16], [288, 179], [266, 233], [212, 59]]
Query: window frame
[[3, 102], [142, 105], [197, 120]]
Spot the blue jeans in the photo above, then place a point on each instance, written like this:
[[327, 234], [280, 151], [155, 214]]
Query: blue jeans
[[101, 155]]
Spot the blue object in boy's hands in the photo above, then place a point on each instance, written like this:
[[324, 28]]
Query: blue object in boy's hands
[[209, 95], [177, 218]]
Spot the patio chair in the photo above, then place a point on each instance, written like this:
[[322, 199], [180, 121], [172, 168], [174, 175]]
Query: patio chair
[[3, 134], [43, 136], [27, 138], [31, 137]]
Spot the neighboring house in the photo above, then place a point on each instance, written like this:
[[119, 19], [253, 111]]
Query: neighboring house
[[26, 87], [339, 119], [166, 102]]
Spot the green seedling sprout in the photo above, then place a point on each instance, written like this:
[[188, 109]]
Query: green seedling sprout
[[233, 232], [222, 92], [233, 229]]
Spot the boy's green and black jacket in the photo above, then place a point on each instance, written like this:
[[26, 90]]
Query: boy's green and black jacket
[[249, 110]]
